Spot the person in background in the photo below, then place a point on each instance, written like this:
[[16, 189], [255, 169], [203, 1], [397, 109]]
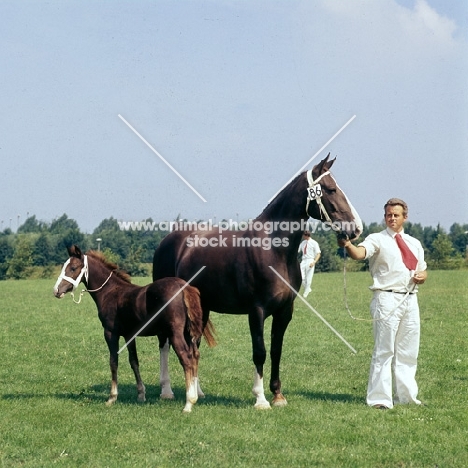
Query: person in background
[[397, 267], [310, 252]]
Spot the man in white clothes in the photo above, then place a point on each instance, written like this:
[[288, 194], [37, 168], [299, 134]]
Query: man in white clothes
[[397, 266], [310, 251]]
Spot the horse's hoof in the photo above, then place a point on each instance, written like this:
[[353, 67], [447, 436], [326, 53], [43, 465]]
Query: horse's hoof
[[167, 396], [262, 406], [279, 400], [141, 398], [111, 401]]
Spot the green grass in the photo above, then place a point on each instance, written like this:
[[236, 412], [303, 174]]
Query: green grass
[[54, 380]]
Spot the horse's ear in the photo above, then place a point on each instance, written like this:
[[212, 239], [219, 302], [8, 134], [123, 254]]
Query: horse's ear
[[74, 251], [329, 164], [322, 166]]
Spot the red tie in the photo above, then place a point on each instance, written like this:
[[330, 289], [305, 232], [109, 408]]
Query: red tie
[[409, 259]]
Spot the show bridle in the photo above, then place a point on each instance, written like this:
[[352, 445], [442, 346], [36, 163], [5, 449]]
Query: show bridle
[[314, 192], [75, 282]]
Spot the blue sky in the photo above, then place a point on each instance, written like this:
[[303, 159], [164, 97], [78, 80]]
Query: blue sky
[[236, 96]]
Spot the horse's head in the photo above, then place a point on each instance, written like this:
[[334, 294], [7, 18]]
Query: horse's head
[[328, 203], [72, 272]]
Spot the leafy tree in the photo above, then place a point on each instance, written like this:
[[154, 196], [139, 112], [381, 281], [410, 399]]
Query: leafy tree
[[65, 232], [459, 237], [429, 235], [32, 225], [132, 263], [112, 237], [43, 250], [329, 261], [442, 249], [21, 260], [62, 225], [6, 252]]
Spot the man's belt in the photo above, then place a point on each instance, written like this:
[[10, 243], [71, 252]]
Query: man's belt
[[397, 292]]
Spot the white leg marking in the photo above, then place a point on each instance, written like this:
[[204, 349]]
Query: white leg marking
[[259, 393], [191, 396], [164, 379], [113, 394]]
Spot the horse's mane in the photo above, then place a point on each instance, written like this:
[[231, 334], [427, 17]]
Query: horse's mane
[[279, 198], [112, 266]]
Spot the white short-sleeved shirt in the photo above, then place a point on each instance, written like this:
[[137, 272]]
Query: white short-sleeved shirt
[[313, 249], [386, 263]]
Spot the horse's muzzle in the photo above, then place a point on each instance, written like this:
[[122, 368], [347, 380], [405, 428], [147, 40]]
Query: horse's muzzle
[[58, 294]]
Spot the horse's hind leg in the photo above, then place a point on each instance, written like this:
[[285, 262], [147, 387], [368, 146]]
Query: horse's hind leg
[[206, 316], [278, 328], [188, 355], [164, 379], [200, 393], [113, 344], [135, 365]]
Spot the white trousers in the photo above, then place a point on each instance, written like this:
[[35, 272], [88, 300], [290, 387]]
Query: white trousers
[[307, 273], [396, 348]]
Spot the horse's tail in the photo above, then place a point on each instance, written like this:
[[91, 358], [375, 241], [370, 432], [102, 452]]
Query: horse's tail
[[209, 334], [195, 316]]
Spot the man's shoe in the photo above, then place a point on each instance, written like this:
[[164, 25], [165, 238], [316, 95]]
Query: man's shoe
[[382, 407]]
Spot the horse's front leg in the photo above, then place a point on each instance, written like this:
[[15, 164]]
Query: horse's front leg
[[278, 328], [259, 355], [112, 341], [135, 365], [164, 378]]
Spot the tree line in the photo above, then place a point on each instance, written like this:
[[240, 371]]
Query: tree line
[[37, 248]]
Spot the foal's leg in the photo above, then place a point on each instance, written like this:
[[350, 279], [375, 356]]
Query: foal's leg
[[278, 328], [113, 345], [259, 357], [206, 316], [134, 364], [188, 355], [200, 393], [164, 379]]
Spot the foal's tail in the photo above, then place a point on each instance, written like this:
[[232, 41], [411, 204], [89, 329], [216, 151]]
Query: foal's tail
[[195, 315]]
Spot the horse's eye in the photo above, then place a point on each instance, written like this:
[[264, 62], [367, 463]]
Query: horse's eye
[[73, 269]]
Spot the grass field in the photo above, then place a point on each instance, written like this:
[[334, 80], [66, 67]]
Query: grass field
[[54, 380]]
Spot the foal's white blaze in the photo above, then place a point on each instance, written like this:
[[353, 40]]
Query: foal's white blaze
[[192, 395], [164, 379], [259, 394]]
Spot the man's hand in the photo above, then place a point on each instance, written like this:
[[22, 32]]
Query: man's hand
[[419, 277]]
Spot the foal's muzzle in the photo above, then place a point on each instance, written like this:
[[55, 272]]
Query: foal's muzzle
[[60, 291]]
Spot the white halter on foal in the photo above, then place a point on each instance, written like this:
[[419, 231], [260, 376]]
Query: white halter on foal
[[314, 192], [75, 282]]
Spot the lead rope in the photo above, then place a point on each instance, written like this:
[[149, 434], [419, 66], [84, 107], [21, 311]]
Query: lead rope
[[346, 298], [90, 290]]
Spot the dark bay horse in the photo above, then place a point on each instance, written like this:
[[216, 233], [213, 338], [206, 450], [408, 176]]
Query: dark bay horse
[[238, 278], [124, 308]]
